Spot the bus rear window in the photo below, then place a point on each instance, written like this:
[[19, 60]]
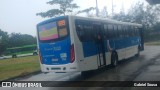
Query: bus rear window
[[52, 31], [48, 31], [62, 32]]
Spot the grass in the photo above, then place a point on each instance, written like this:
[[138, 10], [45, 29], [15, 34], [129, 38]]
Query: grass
[[13, 67], [153, 43]]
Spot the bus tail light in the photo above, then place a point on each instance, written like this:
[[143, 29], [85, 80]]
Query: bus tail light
[[72, 53], [40, 57]]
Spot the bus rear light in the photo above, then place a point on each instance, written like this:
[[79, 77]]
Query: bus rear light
[[72, 57]]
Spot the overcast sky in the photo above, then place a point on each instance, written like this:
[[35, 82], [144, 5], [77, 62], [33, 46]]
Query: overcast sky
[[20, 15]]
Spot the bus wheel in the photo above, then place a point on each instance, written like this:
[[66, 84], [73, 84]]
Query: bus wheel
[[87, 73], [114, 59], [138, 53], [35, 53], [14, 56]]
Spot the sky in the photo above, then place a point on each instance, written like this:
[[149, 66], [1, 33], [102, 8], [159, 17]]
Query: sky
[[19, 16]]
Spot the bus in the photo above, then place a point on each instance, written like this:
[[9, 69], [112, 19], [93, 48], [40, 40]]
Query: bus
[[81, 44], [18, 51]]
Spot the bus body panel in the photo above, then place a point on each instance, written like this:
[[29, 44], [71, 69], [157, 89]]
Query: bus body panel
[[56, 53], [126, 47], [83, 63]]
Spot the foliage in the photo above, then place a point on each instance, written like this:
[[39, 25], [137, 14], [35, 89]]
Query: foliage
[[14, 40], [3, 41], [17, 39], [104, 13], [139, 13], [153, 34], [87, 11], [14, 67], [156, 27], [64, 7], [147, 15]]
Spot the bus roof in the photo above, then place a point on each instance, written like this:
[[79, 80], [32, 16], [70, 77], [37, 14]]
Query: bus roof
[[50, 20], [107, 20], [26, 46]]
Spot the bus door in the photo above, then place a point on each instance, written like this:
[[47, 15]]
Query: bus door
[[99, 40]]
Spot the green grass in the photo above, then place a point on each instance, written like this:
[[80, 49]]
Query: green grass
[[153, 43], [13, 67]]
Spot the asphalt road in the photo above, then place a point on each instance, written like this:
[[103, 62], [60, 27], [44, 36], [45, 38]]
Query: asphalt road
[[146, 67]]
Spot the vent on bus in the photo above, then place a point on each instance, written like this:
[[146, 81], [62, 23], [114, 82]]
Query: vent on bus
[[72, 53]]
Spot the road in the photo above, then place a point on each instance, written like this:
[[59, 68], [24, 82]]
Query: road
[[146, 67]]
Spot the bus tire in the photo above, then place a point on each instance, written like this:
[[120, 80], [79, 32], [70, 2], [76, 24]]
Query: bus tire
[[86, 73], [114, 59], [14, 56], [138, 52], [35, 53]]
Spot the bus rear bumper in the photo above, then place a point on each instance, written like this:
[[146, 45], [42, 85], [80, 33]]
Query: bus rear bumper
[[59, 68]]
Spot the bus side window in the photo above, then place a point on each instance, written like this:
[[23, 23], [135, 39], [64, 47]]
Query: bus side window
[[116, 34], [80, 31], [136, 31], [123, 31], [87, 32], [106, 31], [110, 31], [120, 31], [127, 31], [132, 31]]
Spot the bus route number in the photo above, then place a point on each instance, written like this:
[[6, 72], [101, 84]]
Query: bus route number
[[61, 23]]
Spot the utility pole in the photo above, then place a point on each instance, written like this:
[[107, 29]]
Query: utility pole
[[96, 8], [123, 6], [112, 8]]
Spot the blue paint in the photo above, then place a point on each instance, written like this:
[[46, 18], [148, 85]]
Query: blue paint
[[55, 52], [51, 20], [90, 48], [52, 53]]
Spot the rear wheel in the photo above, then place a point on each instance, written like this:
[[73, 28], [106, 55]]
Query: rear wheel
[[114, 59], [138, 52], [87, 73], [14, 56], [35, 53]]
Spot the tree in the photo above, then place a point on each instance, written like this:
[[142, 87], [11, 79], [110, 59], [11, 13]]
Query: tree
[[64, 7], [156, 27], [139, 13], [87, 11], [3, 41], [146, 15], [121, 15], [104, 13], [17, 39]]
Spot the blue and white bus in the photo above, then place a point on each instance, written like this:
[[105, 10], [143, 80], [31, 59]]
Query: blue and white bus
[[73, 43]]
